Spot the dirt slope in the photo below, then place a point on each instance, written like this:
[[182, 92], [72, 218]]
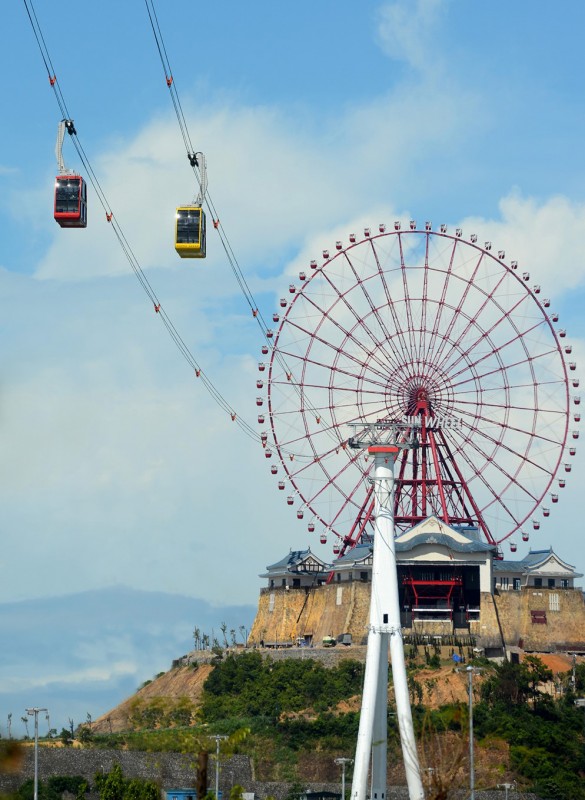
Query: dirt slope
[[173, 685], [443, 686]]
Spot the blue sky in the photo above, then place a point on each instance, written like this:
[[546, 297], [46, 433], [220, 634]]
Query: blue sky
[[316, 118]]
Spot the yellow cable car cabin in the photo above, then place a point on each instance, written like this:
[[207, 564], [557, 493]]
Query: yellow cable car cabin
[[190, 232]]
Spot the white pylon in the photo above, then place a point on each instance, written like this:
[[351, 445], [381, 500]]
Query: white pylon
[[384, 628]]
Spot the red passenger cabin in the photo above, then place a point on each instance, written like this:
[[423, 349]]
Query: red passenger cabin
[[70, 201]]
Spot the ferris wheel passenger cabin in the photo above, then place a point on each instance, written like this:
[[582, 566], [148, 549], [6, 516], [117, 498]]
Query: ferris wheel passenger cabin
[[190, 232], [70, 209]]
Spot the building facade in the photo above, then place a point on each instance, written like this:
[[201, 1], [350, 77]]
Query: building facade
[[451, 584]]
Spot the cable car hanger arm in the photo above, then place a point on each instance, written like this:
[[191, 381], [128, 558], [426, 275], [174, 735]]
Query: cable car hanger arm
[[199, 160], [65, 124]]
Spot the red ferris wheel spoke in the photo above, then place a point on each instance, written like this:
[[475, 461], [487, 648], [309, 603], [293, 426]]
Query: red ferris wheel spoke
[[455, 344], [409, 319], [487, 334], [465, 490], [424, 301], [496, 464], [398, 332], [373, 308], [356, 492], [342, 296], [513, 428], [482, 376], [435, 337], [349, 336], [495, 497]]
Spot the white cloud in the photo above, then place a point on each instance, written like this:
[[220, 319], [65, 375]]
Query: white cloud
[[546, 237], [103, 674], [408, 32]]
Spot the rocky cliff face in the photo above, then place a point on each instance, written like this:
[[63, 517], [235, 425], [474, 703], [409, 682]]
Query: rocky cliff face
[[559, 624]]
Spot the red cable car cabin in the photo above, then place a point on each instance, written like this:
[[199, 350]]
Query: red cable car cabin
[[70, 201]]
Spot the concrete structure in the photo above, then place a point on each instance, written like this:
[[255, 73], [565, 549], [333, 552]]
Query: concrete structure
[[452, 585]]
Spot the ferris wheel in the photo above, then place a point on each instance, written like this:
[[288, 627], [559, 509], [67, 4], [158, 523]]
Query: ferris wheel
[[424, 328]]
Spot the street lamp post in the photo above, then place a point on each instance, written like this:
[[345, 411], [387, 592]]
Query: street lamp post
[[218, 737], [580, 703], [470, 673], [34, 712], [343, 762]]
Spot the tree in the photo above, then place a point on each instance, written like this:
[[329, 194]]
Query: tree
[[197, 638], [25, 720], [535, 673], [202, 763], [66, 736], [84, 734], [506, 685], [113, 785], [139, 789], [515, 684], [223, 629]]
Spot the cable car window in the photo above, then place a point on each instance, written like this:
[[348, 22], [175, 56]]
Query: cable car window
[[67, 197], [188, 227]]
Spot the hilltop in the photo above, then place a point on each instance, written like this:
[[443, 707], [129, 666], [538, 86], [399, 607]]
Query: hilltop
[[167, 690]]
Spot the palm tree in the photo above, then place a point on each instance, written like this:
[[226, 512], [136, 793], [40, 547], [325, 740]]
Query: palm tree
[[10, 725], [223, 629], [25, 720]]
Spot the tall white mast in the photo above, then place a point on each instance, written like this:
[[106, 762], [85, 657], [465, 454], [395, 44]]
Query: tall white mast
[[384, 442]]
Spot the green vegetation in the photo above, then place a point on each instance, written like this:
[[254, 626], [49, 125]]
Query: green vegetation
[[109, 786], [545, 735], [248, 686], [113, 786], [54, 787], [294, 716]]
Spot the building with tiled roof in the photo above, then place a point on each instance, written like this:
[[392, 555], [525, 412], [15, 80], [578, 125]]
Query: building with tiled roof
[[451, 584], [540, 568]]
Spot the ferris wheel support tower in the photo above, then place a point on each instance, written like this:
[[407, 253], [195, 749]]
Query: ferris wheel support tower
[[384, 629]]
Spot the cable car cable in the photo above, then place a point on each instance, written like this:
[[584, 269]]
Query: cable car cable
[[230, 255], [170, 81], [126, 248]]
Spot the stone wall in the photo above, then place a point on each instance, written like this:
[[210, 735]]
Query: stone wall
[[169, 770], [564, 628], [318, 612], [174, 771]]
